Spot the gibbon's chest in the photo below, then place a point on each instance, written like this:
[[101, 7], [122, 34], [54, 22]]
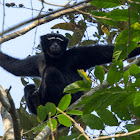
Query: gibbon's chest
[[53, 65], [61, 64], [58, 68]]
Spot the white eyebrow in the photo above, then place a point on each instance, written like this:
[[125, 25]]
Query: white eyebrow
[[60, 39], [55, 38], [51, 38]]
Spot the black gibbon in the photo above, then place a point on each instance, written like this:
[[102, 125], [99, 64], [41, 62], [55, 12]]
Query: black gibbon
[[57, 68]]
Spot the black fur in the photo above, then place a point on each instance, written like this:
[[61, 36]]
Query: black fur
[[57, 67]]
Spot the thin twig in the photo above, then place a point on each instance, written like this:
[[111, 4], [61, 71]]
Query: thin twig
[[76, 124], [55, 4], [51, 126], [86, 13], [135, 2], [3, 16], [118, 135], [41, 8], [31, 7]]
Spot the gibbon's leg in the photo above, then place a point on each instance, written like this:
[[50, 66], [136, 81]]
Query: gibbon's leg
[[32, 97]]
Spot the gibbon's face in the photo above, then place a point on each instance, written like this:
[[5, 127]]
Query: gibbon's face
[[54, 45]]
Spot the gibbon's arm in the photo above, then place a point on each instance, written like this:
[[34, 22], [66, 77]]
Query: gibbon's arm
[[25, 67], [86, 57]]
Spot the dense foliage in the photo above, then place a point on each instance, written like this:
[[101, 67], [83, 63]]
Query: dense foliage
[[117, 22]]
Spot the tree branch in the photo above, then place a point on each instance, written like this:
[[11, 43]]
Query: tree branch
[[38, 21], [6, 117], [11, 118], [44, 134], [7, 123], [15, 118], [3, 99]]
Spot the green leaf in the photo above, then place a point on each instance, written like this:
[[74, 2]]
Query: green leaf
[[23, 81], [98, 15], [93, 121], [134, 69], [136, 100], [39, 128], [50, 108], [52, 123], [75, 112], [70, 137], [122, 15], [97, 101], [135, 111], [77, 86], [119, 15], [122, 41], [107, 117], [127, 97], [64, 102], [137, 83], [118, 98], [37, 81], [126, 77], [41, 112], [105, 3], [119, 50], [99, 73], [115, 96], [83, 74], [64, 120], [120, 106], [24, 116], [115, 72], [130, 128], [66, 26], [78, 34]]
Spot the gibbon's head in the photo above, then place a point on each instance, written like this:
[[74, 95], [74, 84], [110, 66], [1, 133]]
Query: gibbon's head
[[54, 45]]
